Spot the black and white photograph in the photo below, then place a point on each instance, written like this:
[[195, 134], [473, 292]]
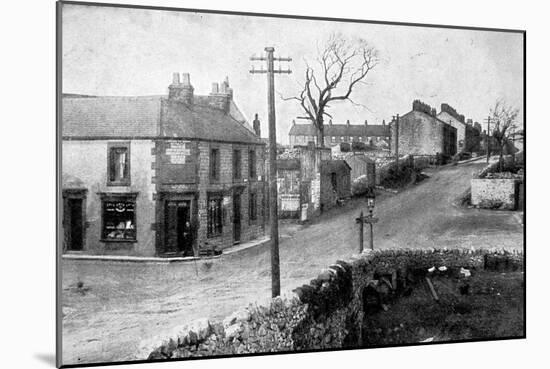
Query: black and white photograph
[[238, 183]]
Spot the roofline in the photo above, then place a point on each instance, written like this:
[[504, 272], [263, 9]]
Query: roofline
[[431, 116], [441, 112], [154, 138]]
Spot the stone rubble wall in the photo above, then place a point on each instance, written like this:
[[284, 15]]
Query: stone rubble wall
[[327, 313], [494, 193]]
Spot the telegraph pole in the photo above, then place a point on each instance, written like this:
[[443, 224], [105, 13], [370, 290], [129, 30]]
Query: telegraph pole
[[273, 216], [488, 120]]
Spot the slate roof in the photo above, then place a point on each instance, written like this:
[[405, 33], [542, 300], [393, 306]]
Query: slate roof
[[334, 165], [445, 116], [374, 130], [152, 116], [202, 122], [110, 116], [416, 112]]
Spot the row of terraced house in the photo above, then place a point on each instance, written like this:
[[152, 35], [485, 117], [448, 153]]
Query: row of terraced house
[[422, 131]]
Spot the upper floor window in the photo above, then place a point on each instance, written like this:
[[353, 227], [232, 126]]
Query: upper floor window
[[214, 164], [252, 206], [252, 164], [333, 139], [119, 164], [236, 164]]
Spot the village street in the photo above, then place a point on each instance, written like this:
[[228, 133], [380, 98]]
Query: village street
[[121, 303]]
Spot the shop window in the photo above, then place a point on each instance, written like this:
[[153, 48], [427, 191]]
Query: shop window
[[119, 164], [214, 215], [214, 164], [119, 218], [252, 206], [252, 164]]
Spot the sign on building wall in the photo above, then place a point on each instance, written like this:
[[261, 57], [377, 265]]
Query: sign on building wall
[[178, 151], [178, 162]]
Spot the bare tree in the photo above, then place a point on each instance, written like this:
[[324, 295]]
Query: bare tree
[[341, 66], [503, 117]]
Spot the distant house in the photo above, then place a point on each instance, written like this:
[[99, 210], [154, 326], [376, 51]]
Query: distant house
[[449, 115], [360, 164], [473, 137], [370, 134], [421, 132], [174, 175], [518, 138]]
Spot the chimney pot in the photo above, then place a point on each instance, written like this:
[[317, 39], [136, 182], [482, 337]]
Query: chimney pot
[[347, 122], [186, 79], [366, 122], [215, 88], [175, 78]]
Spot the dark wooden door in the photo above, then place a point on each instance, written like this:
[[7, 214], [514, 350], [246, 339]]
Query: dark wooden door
[[75, 225], [179, 240], [236, 218]]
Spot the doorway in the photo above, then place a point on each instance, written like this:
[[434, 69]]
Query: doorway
[[236, 218], [179, 239], [75, 225]]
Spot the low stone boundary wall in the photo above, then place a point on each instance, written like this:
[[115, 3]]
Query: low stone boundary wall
[[327, 313], [494, 193]]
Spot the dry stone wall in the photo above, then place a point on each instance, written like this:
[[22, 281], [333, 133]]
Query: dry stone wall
[[327, 313]]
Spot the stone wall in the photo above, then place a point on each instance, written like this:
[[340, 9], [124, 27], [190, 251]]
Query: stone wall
[[327, 313], [494, 193]]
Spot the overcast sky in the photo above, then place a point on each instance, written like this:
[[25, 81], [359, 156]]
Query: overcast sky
[[125, 52]]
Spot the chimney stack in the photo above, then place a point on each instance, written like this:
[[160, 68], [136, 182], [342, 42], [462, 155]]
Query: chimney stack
[[383, 122], [256, 125], [330, 122], [181, 90], [221, 95], [347, 122], [366, 122]]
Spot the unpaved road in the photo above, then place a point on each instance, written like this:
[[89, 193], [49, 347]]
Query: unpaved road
[[128, 302]]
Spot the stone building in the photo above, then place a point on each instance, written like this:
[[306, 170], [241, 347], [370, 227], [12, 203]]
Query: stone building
[[449, 115], [360, 165], [420, 132], [374, 135], [174, 175], [299, 181], [335, 183]]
